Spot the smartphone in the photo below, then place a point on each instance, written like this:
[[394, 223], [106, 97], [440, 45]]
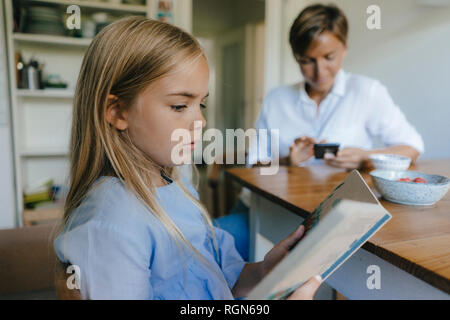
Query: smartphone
[[321, 148]]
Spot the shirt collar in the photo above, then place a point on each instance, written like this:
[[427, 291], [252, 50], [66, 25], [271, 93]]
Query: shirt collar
[[338, 87], [339, 83]]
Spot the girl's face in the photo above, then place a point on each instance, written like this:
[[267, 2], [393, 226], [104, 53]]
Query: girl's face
[[170, 103]]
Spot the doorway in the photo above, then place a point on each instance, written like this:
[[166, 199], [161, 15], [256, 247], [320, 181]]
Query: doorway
[[234, 31], [232, 34]]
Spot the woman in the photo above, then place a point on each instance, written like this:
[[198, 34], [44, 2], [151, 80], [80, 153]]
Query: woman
[[329, 105]]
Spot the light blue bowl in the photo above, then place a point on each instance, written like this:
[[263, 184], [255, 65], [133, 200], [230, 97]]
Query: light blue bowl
[[390, 161], [410, 193]]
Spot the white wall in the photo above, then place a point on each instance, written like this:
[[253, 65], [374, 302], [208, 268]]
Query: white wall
[[7, 207], [218, 23], [410, 55]]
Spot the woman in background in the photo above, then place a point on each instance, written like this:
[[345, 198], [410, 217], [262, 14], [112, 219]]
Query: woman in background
[[330, 105]]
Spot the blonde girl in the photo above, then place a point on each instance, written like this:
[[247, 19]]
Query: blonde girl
[[132, 225]]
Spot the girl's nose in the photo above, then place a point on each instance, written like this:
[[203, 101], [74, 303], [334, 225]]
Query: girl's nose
[[203, 121], [199, 119]]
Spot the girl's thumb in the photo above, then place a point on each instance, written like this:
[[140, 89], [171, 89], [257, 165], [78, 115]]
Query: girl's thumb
[[307, 290]]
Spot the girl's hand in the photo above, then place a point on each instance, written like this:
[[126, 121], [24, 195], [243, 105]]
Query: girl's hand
[[350, 158], [301, 150], [278, 252], [271, 259], [307, 290]]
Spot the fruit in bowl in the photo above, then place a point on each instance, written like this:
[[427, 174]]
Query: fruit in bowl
[[415, 188], [390, 161], [416, 180]]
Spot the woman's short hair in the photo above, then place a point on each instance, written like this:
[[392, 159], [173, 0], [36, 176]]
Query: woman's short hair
[[312, 22]]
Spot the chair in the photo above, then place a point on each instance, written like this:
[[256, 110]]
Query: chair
[[27, 263]]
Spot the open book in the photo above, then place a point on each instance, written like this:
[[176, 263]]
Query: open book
[[335, 230]]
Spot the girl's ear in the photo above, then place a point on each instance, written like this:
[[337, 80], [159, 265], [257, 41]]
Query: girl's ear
[[115, 114]]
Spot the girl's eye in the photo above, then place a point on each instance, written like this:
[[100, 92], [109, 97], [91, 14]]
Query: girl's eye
[[178, 108], [329, 57], [202, 106]]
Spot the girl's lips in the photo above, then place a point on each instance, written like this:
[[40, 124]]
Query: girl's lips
[[192, 145]]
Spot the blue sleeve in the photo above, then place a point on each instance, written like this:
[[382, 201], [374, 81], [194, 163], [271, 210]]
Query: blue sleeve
[[114, 263], [230, 260]]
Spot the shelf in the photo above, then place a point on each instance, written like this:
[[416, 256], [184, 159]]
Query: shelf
[[42, 215], [44, 152], [45, 93], [97, 5], [50, 39], [50, 105]]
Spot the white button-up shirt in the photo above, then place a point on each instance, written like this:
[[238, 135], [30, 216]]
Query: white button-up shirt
[[357, 111]]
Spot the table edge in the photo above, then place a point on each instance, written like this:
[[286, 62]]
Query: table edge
[[432, 278], [298, 211]]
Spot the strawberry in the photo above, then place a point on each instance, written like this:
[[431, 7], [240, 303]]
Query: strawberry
[[420, 180]]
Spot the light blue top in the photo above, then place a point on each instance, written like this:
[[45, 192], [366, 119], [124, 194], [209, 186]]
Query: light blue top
[[124, 252]]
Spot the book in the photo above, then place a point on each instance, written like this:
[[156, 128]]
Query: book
[[334, 231]]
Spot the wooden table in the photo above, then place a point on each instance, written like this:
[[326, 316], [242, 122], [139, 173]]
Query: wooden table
[[412, 250]]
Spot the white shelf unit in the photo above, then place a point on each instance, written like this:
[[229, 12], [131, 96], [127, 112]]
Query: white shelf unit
[[50, 39], [41, 119], [46, 93], [99, 5]]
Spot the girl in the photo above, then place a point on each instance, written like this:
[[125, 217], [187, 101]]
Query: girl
[[132, 225]]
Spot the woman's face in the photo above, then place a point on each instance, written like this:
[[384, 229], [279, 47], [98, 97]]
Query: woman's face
[[322, 61], [170, 103]]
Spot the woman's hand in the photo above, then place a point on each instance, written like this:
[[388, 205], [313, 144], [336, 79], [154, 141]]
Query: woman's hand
[[301, 150], [350, 158]]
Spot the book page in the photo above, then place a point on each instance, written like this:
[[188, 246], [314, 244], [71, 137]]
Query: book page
[[352, 188], [338, 235]]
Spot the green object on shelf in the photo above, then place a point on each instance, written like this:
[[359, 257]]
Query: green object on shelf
[[37, 197], [54, 81], [55, 85], [41, 192]]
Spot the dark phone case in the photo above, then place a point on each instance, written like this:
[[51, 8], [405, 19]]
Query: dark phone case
[[320, 149]]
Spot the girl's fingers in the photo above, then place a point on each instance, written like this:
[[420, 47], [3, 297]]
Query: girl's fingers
[[293, 238], [307, 290]]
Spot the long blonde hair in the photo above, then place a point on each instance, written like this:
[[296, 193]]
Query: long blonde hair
[[123, 59]]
